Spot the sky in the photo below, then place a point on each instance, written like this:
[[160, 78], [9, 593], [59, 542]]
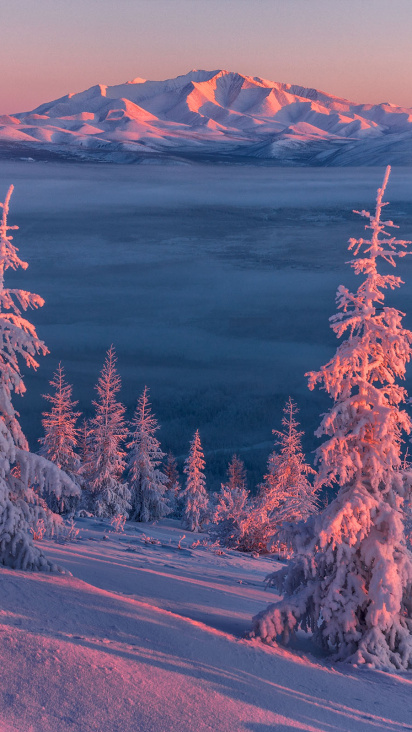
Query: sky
[[357, 49]]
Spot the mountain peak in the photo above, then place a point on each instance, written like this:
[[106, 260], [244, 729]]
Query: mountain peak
[[137, 80], [216, 112]]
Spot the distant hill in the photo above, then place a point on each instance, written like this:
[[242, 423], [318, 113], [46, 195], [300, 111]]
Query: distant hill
[[212, 115]]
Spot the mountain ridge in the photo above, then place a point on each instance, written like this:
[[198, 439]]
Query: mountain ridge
[[214, 114]]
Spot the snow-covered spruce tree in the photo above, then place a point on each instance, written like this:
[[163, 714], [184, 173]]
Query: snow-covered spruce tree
[[61, 437], [236, 474], [286, 492], [286, 495], [246, 524], [196, 502], [146, 482], [350, 581], [229, 516], [20, 505], [106, 494], [173, 486], [239, 522], [232, 507], [256, 532]]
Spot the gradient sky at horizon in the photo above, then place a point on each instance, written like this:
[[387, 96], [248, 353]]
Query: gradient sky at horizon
[[358, 49]]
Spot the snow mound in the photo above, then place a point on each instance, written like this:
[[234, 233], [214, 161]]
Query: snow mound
[[152, 639]]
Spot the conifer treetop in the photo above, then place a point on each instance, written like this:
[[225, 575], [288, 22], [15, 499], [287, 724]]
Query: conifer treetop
[[289, 440], [61, 433], [144, 418], [195, 461], [287, 494], [366, 422], [102, 446], [109, 382], [236, 473], [146, 480], [194, 493]]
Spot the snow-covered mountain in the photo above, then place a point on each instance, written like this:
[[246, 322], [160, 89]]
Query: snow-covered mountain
[[214, 113]]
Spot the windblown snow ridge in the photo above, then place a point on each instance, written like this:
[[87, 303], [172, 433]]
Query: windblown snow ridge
[[213, 114]]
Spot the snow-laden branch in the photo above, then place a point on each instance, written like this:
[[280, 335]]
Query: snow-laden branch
[[350, 581]]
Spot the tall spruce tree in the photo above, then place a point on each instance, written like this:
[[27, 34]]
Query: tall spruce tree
[[146, 482], [20, 505], [194, 494], [350, 581], [61, 435], [106, 493]]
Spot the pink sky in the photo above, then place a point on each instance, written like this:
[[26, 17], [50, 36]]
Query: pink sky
[[358, 49]]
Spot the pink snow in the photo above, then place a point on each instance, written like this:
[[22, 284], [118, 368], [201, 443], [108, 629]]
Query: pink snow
[[216, 106], [149, 637]]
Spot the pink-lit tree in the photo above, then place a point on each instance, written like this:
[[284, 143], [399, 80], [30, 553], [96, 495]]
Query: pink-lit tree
[[232, 509], [236, 474], [350, 581], [61, 434], [194, 494], [146, 482], [21, 507], [105, 493], [286, 493]]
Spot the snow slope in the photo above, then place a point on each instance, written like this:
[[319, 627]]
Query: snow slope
[[148, 637], [215, 113]]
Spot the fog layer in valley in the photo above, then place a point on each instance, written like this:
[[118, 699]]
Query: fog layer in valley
[[214, 283]]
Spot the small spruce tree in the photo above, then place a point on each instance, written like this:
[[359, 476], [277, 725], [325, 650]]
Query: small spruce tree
[[194, 494], [232, 507], [236, 474], [146, 482], [350, 581], [106, 494], [286, 492], [61, 436]]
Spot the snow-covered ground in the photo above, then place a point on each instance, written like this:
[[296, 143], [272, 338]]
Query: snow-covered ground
[[151, 638]]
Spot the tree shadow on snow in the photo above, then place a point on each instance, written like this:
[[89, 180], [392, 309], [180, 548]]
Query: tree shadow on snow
[[139, 633]]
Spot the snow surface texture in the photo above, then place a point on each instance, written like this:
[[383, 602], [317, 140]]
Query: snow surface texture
[[213, 113], [148, 637]]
